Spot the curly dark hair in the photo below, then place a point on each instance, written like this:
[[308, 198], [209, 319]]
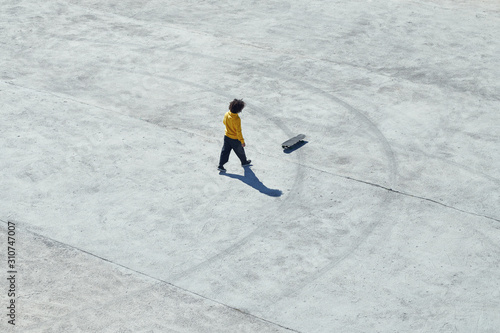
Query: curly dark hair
[[236, 105]]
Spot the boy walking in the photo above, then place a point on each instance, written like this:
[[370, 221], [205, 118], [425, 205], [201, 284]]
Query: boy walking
[[233, 139]]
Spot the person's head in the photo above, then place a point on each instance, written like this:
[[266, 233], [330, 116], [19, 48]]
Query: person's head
[[236, 105]]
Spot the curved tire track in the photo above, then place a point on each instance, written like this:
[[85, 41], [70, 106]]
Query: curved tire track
[[392, 175]]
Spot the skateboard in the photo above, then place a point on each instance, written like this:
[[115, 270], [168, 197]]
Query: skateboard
[[296, 139]]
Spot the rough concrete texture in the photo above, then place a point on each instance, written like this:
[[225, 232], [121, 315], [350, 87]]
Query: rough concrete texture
[[386, 220]]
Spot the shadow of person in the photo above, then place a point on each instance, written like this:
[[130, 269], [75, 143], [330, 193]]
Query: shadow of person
[[251, 179]]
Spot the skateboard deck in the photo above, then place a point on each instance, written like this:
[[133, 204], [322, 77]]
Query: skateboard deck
[[293, 141]]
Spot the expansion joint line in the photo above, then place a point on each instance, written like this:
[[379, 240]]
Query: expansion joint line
[[157, 279], [310, 167], [387, 189], [402, 193]]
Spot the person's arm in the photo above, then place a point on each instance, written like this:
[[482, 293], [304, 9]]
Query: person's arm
[[239, 133]]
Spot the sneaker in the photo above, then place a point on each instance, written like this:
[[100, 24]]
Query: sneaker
[[221, 169], [247, 163]]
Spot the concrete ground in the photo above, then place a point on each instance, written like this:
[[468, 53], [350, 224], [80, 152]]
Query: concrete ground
[[386, 220]]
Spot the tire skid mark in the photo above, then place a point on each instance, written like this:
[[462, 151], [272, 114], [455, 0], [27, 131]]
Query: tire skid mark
[[393, 168], [260, 230], [264, 227], [334, 262], [299, 176]]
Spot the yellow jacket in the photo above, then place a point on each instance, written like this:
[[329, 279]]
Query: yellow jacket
[[233, 126]]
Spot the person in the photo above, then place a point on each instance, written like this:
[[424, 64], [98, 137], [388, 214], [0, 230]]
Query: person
[[233, 138]]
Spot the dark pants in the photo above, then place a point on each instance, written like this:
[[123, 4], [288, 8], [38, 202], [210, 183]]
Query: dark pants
[[232, 144]]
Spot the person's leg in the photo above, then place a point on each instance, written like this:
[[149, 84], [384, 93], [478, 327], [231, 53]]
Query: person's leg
[[240, 151], [226, 151]]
